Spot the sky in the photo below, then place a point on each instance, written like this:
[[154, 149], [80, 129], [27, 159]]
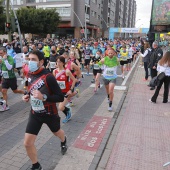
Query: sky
[[143, 13]]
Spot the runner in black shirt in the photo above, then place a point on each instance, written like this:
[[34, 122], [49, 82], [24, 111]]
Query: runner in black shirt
[[43, 93]]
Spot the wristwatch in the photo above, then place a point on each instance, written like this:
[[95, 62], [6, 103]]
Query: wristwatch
[[44, 97]]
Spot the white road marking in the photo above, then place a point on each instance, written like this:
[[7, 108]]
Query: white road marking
[[127, 76], [120, 88], [93, 85]]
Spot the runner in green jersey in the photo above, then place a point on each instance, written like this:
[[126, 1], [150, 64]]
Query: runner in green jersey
[[9, 79], [110, 64]]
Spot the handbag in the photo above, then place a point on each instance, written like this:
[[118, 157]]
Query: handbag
[[160, 77]]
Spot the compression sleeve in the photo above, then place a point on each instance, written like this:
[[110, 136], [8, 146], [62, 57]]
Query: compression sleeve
[[57, 95], [8, 66]]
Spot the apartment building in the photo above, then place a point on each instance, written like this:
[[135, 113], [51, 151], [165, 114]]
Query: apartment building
[[97, 15]]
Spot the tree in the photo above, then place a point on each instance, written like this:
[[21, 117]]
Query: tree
[[38, 21], [2, 19]]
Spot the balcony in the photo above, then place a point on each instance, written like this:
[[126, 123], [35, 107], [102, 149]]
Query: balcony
[[64, 12], [87, 2], [30, 1]]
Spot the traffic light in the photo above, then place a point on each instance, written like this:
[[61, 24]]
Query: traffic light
[[7, 26]]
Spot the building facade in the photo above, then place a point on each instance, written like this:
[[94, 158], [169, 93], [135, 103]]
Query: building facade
[[96, 15]]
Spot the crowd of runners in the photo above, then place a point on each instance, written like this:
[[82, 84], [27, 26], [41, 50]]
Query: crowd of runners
[[52, 72]]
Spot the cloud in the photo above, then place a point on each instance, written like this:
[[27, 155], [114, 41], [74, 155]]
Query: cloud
[[143, 13]]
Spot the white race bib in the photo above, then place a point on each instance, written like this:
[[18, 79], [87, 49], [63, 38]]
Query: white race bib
[[5, 74], [96, 67], [110, 72], [62, 84], [52, 65], [37, 105], [87, 57]]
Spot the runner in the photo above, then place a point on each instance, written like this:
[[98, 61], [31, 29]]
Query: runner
[[44, 93], [75, 70], [9, 79], [87, 58], [110, 64], [52, 59], [123, 60], [130, 53], [96, 69], [63, 76]]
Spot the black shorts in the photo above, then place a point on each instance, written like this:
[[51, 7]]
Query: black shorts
[[129, 60], [35, 123], [96, 71], [87, 62], [123, 62], [9, 83]]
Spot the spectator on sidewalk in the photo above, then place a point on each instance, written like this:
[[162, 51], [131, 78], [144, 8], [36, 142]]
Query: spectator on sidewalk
[[145, 59], [163, 66], [156, 55]]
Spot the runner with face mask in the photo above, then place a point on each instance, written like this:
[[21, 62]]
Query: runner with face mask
[[43, 94]]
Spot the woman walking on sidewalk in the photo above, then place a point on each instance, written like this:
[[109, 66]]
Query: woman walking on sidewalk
[[163, 66]]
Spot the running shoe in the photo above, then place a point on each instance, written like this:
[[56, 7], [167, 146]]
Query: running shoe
[[123, 77], [93, 81], [40, 168], [95, 90], [87, 74], [68, 117], [78, 84], [110, 109], [64, 147], [3, 106], [78, 93], [99, 86], [151, 101]]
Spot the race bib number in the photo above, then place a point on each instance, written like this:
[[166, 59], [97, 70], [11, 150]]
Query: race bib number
[[96, 67], [61, 84], [36, 104], [52, 64], [5, 74], [110, 72], [87, 57]]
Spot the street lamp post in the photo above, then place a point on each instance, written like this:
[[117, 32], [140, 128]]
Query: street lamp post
[[8, 18], [137, 21], [85, 24], [19, 31], [79, 21]]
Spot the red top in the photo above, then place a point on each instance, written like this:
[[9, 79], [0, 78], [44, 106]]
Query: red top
[[62, 80], [25, 70]]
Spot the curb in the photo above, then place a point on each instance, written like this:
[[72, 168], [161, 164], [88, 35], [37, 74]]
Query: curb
[[100, 151]]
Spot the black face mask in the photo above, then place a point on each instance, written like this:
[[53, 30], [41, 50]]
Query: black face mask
[[25, 52], [53, 51]]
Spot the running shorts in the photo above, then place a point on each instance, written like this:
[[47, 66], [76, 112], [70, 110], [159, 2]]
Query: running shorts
[[87, 62], [9, 83], [107, 81], [35, 123], [96, 71], [123, 62]]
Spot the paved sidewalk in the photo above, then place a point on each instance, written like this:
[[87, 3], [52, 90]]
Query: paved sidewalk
[[141, 138]]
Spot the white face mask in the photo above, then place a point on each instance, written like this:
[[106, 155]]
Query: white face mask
[[66, 60], [0, 57]]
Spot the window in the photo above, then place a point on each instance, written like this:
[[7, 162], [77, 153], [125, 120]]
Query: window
[[64, 11]]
